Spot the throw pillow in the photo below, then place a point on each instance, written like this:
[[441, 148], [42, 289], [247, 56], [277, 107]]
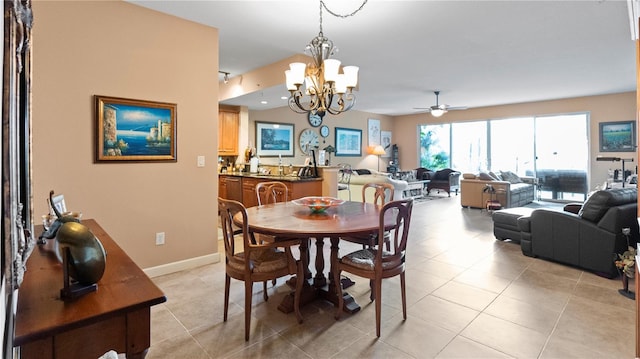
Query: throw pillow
[[485, 176], [497, 177], [363, 172], [511, 177]]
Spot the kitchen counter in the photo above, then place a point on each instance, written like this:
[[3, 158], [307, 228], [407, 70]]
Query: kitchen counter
[[270, 177], [241, 186]]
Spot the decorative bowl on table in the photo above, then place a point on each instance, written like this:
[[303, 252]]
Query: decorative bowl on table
[[318, 204]]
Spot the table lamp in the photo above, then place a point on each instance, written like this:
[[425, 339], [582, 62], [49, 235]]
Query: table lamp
[[378, 151]]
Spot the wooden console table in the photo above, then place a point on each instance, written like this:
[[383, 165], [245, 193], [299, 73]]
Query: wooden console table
[[115, 317]]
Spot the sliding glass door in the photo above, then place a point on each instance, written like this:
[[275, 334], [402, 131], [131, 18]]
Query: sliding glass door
[[562, 156], [552, 148]]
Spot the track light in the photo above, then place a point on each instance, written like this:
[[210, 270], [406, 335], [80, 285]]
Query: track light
[[226, 76]]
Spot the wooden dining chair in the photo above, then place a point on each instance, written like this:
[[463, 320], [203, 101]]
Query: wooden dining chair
[[382, 193], [258, 262], [376, 264], [271, 192]]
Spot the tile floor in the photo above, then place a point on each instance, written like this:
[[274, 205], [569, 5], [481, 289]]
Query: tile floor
[[468, 296]]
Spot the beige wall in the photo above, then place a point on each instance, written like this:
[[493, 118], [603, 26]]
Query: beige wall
[[605, 108], [113, 48], [350, 119]]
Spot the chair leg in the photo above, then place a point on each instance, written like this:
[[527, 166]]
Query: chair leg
[[338, 286], [265, 295], [299, 281], [372, 296], [248, 293], [404, 296], [378, 293], [227, 283]]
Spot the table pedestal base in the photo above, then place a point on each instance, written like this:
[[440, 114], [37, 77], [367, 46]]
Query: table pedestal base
[[311, 293]]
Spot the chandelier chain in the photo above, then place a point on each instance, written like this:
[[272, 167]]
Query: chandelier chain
[[322, 4]]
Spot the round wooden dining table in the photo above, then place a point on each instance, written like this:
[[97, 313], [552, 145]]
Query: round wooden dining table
[[287, 220]]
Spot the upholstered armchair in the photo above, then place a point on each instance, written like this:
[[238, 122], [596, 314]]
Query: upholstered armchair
[[447, 180]]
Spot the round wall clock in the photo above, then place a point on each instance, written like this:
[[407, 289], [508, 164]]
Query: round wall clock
[[324, 132], [308, 140], [315, 119]]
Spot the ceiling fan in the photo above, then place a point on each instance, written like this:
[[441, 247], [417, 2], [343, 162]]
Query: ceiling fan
[[438, 110]]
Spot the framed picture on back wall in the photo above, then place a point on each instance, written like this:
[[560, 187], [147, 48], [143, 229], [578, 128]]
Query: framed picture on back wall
[[618, 136], [348, 142]]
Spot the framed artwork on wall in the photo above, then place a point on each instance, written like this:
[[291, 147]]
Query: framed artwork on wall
[[348, 142], [374, 132], [274, 139], [134, 130], [386, 142], [618, 136]]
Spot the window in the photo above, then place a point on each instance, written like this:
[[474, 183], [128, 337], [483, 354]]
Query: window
[[547, 147]]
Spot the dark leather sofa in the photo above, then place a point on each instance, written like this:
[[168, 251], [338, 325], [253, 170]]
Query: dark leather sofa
[[589, 239], [446, 179]]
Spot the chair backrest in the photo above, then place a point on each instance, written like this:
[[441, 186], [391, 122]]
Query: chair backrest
[[227, 209], [271, 192], [344, 173], [400, 214], [383, 191]]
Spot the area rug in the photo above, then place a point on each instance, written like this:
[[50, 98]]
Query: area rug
[[429, 198]]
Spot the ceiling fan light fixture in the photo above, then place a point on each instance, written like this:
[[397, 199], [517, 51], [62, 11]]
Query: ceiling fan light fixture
[[437, 112]]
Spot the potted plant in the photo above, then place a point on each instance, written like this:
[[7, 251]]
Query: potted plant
[[626, 264]]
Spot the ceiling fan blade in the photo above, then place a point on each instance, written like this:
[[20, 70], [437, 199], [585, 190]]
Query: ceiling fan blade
[[457, 108], [428, 109]]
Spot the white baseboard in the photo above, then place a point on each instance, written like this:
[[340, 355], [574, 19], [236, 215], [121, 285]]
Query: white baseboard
[[182, 265]]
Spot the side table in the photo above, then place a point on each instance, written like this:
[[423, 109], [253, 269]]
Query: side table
[[415, 189]]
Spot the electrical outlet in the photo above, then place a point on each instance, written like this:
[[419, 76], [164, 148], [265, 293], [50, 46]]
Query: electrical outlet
[[159, 238]]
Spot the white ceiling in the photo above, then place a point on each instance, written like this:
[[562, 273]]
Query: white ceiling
[[477, 53]]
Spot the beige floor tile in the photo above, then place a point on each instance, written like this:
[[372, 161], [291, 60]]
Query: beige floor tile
[[598, 326], [321, 336], [225, 338], [461, 347], [505, 336], [415, 336], [483, 280], [272, 347], [164, 324], [443, 313], [370, 346], [463, 294], [178, 346], [529, 315]]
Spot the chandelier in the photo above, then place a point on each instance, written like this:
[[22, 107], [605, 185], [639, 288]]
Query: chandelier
[[325, 88]]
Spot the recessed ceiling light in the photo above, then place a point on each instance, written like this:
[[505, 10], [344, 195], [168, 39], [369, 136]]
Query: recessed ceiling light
[[263, 102], [284, 98]]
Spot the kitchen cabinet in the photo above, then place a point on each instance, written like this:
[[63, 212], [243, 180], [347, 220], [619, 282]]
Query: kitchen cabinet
[[242, 187], [228, 128]]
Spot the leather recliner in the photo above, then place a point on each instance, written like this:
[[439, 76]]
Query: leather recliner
[[590, 239]]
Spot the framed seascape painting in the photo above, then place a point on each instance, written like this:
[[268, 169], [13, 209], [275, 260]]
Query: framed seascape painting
[[274, 139], [348, 142], [618, 136], [134, 130]]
